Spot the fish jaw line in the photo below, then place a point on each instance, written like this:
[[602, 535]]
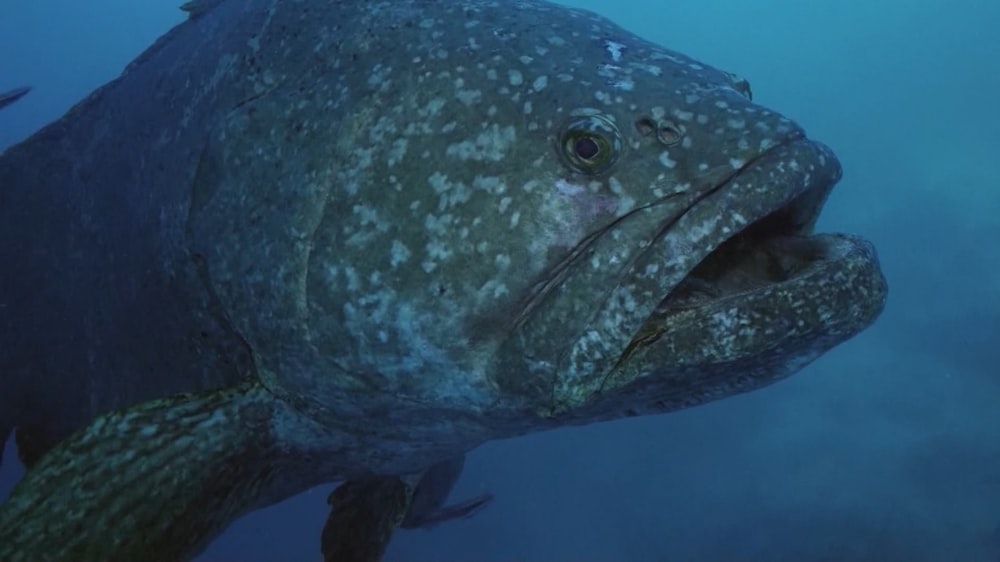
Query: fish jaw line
[[795, 176], [743, 342]]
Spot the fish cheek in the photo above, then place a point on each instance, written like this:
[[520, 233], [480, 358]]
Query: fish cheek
[[255, 201]]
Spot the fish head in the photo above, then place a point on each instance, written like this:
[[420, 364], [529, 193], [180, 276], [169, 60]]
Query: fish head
[[666, 239], [471, 221]]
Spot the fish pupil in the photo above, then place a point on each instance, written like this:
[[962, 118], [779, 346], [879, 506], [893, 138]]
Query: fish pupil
[[586, 148]]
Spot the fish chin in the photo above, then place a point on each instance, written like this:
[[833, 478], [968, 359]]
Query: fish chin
[[736, 325]]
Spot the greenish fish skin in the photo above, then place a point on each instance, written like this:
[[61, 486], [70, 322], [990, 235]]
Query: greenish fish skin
[[363, 238]]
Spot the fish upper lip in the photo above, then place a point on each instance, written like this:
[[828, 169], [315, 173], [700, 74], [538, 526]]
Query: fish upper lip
[[803, 201], [563, 268], [843, 267], [796, 175]]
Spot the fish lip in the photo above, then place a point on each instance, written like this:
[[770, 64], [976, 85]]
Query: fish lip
[[793, 177], [680, 356], [792, 208], [806, 170], [853, 294]]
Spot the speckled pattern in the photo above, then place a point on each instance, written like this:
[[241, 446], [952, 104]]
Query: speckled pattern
[[414, 227]]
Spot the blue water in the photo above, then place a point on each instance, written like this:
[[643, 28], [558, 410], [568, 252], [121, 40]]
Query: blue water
[[886, 449]]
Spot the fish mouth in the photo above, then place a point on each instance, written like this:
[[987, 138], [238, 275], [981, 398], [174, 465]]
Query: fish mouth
[[777, 248], [766, 296]]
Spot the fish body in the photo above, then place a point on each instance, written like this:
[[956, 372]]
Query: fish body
[[299, 242]]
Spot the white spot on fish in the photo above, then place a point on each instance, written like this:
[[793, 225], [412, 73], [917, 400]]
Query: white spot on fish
[[437, 250], [515, 218], [492, 144], [567, 188], [397, 151], [615, 49], [626, 84], [494, 288], [469, 97]]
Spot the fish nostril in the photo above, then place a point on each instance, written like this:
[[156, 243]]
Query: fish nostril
[[668, 134], [645, 125]]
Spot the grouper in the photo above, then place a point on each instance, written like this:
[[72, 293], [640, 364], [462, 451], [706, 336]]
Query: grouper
[[303, 241]]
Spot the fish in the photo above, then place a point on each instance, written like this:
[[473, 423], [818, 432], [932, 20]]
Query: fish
[[306, 242]]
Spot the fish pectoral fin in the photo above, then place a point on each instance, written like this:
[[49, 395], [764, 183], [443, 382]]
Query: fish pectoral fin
[[460, 510], [365, 512], [155, 481], [363, 516]]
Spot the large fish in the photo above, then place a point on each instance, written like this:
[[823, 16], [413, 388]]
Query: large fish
[[363, 238]]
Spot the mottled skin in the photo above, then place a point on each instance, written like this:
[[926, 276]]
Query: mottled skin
[[389, 232]]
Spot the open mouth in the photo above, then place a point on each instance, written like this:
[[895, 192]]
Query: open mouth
[[775, 249]]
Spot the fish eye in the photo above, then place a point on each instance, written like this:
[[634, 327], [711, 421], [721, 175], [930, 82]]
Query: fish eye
[[591, 145]]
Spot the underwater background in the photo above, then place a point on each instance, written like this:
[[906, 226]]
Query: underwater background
[[887, 448]]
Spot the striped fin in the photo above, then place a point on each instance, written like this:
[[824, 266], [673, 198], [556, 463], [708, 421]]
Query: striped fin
[[152, 482]]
